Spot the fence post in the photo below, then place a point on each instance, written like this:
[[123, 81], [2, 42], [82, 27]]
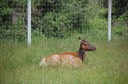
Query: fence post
[[29, 23], [109, 19]]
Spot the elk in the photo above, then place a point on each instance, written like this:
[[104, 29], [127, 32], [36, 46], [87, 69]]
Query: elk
[[74, 59]]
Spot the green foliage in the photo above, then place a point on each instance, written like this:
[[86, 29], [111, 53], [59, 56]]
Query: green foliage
[[56, 25], [98, 24], [120, 7], [120, 27], [13, 33], [12, 20], [61, 18], [120, 18]]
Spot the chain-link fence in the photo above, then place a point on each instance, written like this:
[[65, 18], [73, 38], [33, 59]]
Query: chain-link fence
[[62, 19]]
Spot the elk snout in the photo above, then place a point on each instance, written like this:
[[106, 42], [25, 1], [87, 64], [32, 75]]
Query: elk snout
[[92, 48]]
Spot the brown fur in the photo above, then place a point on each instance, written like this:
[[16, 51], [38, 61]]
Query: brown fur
[[65, 59], [68, 58]]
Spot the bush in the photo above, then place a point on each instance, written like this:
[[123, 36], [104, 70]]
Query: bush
[[120, 27], [55, 25]]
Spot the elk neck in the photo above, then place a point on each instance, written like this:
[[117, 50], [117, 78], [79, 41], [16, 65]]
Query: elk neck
[[81, 53]]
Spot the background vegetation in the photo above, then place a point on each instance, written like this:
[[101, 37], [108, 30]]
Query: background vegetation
[[62, 18]]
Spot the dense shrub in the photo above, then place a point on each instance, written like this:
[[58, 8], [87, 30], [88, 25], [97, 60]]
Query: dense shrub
[[61, 18], [13, 20]]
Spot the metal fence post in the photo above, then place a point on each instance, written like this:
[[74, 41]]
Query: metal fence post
[[109, 19], [29, 23]]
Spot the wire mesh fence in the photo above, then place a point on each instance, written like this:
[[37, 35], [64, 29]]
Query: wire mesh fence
[[13, 20], [58, 18], [61, 19]]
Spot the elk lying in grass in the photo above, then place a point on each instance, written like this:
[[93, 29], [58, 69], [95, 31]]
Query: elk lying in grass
[[69, 58]]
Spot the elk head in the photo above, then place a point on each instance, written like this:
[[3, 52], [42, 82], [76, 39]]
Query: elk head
[[84, 46]]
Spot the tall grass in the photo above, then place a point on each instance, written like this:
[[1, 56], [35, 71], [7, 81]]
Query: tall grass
[[20, 64]]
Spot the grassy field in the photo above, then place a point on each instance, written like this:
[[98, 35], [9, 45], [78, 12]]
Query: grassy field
[[20, 65]]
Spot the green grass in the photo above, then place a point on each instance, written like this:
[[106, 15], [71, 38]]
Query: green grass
[[20, 65]]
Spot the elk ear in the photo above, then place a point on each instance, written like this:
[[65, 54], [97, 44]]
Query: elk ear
[[80, 40]]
